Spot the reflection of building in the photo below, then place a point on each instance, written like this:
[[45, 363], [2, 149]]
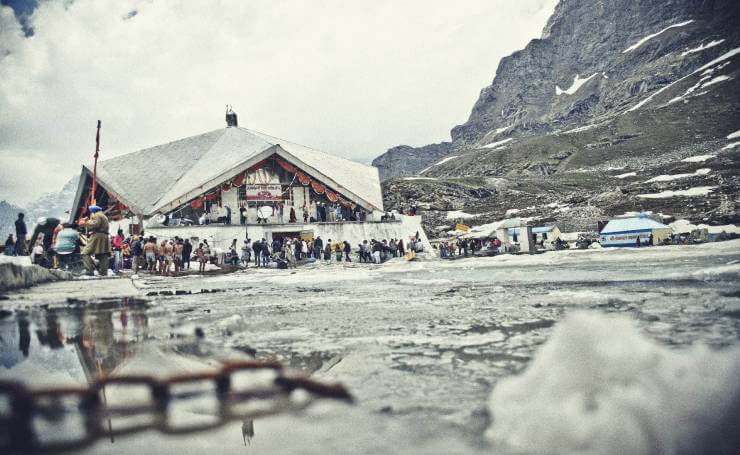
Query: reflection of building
[[213, 186]]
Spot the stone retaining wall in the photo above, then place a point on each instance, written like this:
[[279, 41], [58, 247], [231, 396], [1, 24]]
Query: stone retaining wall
[[14, 276]]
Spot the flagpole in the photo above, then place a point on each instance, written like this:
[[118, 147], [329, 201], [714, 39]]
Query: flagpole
[[95, 165]]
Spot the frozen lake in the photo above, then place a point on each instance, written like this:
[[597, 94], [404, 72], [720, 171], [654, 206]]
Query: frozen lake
[[592, 351]]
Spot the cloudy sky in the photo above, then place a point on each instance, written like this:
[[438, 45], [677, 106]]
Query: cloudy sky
[[351, 77]]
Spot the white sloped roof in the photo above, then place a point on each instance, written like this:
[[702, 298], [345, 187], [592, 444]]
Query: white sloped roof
[[159, 177], [632, 224]]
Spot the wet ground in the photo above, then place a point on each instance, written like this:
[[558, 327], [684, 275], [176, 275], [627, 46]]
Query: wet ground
[[420, 345]]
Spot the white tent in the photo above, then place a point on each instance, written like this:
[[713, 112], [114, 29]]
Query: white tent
[[626, 231]]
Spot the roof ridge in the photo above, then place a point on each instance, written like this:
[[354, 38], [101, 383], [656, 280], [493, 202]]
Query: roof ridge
[[192, 162], [331, 155]]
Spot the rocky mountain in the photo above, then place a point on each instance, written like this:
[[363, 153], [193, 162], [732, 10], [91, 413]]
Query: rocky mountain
[[8, 215], [404, 160], [622, 105], [47, 205], [54, 204]]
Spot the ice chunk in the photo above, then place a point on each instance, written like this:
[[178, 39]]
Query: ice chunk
[[731, 146], [649, 37], [625, 175], [734, 135], [599, 386]]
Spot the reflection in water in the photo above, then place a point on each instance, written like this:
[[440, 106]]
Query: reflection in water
[[101, 335], [74, 345], [248, 431]]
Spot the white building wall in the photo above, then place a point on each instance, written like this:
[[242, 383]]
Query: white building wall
[[220, 236]]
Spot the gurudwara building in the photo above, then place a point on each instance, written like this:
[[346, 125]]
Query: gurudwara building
[[236, 183]]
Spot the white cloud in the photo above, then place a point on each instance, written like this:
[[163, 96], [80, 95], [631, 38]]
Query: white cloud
[[352, 78]]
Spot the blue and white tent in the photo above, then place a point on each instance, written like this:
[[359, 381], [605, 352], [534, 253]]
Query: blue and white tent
[[626, 231]]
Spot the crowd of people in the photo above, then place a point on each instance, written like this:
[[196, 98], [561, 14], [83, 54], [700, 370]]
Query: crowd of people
[[461, 247], [289, 251], [88, 245]]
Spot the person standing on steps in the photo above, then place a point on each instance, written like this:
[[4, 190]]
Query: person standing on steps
[[98, 244]]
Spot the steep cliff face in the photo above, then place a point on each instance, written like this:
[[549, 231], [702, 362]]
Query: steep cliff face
[[621, 105], [404, 160], [597, 59]]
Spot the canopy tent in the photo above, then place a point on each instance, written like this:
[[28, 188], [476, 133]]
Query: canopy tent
[[626, 231]]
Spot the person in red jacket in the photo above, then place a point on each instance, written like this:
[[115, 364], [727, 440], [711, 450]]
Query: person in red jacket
[[117, 244]]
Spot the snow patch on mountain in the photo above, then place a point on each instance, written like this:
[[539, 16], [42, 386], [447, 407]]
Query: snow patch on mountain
[[497, 143], [577, 83], [702, 47], [446, 160], [668, 178], [691, 192], [649, 37]]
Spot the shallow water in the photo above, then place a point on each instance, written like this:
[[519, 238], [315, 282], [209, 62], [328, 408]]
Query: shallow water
[[420, 345]]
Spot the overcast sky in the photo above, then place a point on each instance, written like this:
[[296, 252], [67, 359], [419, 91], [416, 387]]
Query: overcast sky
[[349, 77]]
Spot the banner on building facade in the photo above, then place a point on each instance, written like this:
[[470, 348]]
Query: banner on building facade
[[264, 193]]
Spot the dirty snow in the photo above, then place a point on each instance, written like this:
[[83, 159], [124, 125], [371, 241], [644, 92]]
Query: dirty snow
[[734, 135], [697, 158], [598, 385], [668, 178], [702, 47], [731, 146], [696, 191], [446, 160], [497, 143], [625, 175], [649, 37], [577, 83]]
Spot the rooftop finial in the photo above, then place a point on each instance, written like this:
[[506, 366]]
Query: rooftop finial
[[230, 117]]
